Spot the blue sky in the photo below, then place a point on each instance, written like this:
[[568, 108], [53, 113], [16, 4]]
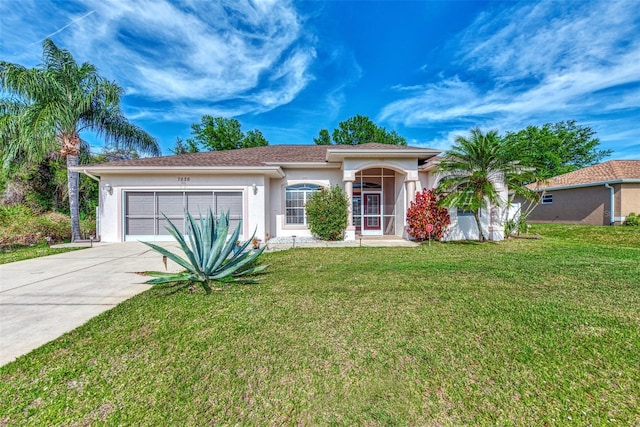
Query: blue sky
[[429, 69]]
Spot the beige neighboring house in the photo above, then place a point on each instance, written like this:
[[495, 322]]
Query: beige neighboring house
[[267, 187], [602, 194]]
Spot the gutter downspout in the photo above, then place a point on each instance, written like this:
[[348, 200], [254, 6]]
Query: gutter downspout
[[612, 214], [95, 178]]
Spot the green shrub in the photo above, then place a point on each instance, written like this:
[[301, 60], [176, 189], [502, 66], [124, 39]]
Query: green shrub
[[327, 213], [633, 219], [424, 211], [19, 225]]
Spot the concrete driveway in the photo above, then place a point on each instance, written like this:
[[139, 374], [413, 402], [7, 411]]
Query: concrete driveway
[[42, 298]]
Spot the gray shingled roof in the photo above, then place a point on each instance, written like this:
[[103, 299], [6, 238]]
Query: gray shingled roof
[[257, 156]]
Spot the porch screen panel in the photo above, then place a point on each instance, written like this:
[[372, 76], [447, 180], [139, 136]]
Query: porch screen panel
[[140, 214], [171, 205], [231, 203], [389, 198]]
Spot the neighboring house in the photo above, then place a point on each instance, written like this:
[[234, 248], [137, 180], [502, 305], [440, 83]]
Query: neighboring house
[[267, 187], [602, 194]]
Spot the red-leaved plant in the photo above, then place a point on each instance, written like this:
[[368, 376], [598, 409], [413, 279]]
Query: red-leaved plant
[[425, 210]]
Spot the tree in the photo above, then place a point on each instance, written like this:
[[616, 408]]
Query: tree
[[184, 148], [323, 138], [555, 149], [254, 138], [471, 171], [50, 105], [359, 130], [219, 134]]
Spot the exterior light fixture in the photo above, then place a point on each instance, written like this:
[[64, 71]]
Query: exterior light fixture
[[255, 188], [109, 188]]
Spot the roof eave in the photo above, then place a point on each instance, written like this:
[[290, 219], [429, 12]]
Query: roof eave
[[306, 165], [269, 171], [337, 155], [590, 184]]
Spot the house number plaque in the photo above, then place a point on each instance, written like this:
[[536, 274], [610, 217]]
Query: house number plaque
[[184, 179]]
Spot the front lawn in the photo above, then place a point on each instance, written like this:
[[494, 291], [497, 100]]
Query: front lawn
[[524, 332], [15, 253]]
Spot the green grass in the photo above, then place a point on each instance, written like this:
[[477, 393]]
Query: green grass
[[524, 332], [20, 252]]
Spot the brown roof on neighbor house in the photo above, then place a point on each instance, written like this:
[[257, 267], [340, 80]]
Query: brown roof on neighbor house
[[613, 170], [257, 156]]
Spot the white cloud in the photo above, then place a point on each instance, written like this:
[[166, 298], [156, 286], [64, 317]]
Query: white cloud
[[533, 62], [253, 53]]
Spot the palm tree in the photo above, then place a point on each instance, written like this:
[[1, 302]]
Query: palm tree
[[471, 171], [47, 107]]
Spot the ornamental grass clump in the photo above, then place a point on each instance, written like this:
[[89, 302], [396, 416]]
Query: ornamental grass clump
[[327, 213], [213, 256]]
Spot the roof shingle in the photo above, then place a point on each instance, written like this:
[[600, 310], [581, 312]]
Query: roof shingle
[[612, 170], [256, 156]]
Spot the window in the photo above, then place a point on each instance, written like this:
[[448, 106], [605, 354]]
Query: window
[[464, 212], [547, 199], [296, 197]]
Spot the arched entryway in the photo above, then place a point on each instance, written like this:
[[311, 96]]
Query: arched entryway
[[377, 202]]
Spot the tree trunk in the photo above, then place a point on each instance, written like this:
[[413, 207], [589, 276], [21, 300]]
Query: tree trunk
[[74, 209], [477, 218]]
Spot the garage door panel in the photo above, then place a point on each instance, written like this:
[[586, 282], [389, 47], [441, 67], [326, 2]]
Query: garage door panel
[[140, 204], [170, 204], [230, 202], [199, 203], [163, 224], [140, 226]]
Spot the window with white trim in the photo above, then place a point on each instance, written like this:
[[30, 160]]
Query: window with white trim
[[547, 199], [296, 197]]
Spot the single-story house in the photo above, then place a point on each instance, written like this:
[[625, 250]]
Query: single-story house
[[267, 187], [602, 194]]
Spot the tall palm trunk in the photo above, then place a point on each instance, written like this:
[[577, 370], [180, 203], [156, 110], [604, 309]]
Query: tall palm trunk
[[73, 180], [476, 215]]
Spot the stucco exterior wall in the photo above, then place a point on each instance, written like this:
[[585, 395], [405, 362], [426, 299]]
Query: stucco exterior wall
[[630, 199], [584, 205], [277, 225], [464, 227]]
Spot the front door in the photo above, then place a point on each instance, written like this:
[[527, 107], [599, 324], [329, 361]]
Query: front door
[[372, 218]]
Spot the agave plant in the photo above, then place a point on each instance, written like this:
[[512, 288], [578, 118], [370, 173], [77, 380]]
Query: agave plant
[[212, 255]]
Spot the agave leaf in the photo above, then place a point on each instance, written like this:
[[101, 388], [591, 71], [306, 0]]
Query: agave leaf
[[173, 230], [231, 243], [230, 268], [254, 270], [240, 257], [218, 245], [195, 238], [169, 278], [173, 257], [208, 226]]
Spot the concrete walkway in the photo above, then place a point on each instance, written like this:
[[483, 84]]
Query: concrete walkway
[[42, 298]]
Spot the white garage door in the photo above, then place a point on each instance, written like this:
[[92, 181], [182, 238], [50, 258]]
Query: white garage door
[[144, 211]]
